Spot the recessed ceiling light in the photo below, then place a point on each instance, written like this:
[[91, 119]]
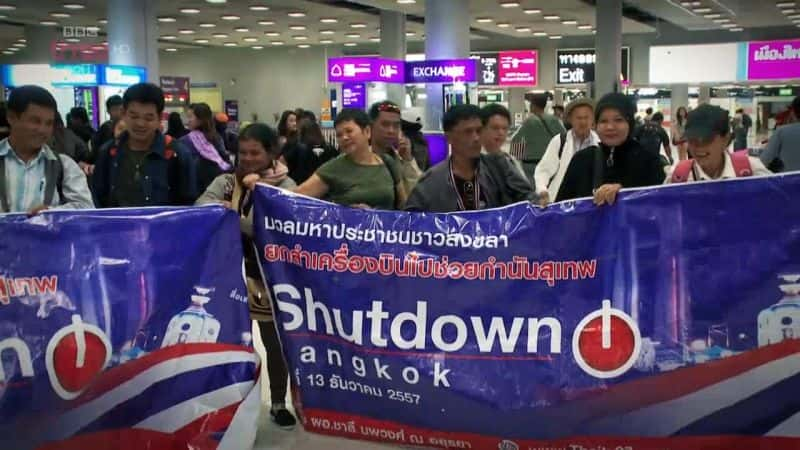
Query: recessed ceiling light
[[533, 11], [410, 33], [540, 34], [326, 32], [373, 39], [271, 33], [216, 1], [300, 37], [483, 19], [74, 6], [190, 10], [171, 49], [569, 22], [356, 35], [358, 25], [257, 47], [21, 45], [785, 11], [736, 29], [276, 42], [702, 10], [328, 20], [503, 24], [7, 7], [785, 4], [201, 41], [713, 16], [250, 39], [259, 8], [48, 23], [60, 15], [728, 25], [303, 46], [242, 30], [102, 21], [793, 17], [167, 19], [406, 2], [168, 37], [6, 52], [230, 17], [350, 44], [509, 4], [326, 41], [72, 40], [297, 27], [297, 14], [722, 20], [584, 27], [557, 36], [523, 30], [23, 40], [552, 17], [187, 31], [220, 35], [207, 25], [266, 22], [230, 44], [98, 47]]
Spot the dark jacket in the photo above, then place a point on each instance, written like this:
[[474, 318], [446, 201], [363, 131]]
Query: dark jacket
[[206, 171], [501, 183], [66, 142], [103, 135], [169, 173], [631, 166], [303, 159]]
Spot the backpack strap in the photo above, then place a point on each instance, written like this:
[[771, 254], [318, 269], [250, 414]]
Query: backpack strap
[[563, 141], [741, 163], [682, 170], [4, 206], [54, 180]]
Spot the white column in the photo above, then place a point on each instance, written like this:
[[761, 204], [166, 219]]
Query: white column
[[608, 43], [133, 35], [705, 94], [679, 97], [446, 37], [393, 46]]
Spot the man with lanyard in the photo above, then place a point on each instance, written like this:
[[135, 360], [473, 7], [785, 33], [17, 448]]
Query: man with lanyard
[[550, 171], [536, 133], [386, 139], [468, 180]]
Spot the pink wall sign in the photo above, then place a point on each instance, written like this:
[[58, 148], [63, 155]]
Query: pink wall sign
[[518, 68], [773, 60]]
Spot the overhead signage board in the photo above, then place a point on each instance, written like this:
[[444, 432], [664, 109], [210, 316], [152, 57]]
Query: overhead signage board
[[577, 66], [441, 71], [518, 68], [122, 75], [349, 69], [773, 60], [354, 95]]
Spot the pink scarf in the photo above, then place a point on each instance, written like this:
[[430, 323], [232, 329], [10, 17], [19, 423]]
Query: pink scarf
[[207, 150]]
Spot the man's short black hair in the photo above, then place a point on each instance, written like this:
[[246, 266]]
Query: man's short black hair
[[460, 113], [558, 108], [114, 100], [384, 106], [144, 93], [352, 115], [657, 117], [539, 100], [649, 111], [796, 106], [494, 109], [23, 96]]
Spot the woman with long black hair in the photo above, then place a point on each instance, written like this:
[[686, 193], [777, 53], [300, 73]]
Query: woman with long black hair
[[679, 132], [206, 145]]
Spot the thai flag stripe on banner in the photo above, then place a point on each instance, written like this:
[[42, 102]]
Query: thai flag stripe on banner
[[790, 427], [81, 417]]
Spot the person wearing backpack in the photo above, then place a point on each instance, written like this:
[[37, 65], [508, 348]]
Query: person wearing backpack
[[653, 137], [536, 133], [144, 167], [709, 135], [33, 178], [551, 169]]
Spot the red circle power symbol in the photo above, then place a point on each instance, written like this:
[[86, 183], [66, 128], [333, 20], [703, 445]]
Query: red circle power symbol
[[76, 354], [607, 342]]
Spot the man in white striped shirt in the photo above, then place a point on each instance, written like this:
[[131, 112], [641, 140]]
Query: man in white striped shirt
[[32, 177]]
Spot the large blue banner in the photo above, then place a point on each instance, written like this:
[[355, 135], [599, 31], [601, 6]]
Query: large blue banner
[[669, 320], [125, 329]]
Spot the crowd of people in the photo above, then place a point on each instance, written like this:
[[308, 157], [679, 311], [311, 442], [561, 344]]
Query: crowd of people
[[380, 161]]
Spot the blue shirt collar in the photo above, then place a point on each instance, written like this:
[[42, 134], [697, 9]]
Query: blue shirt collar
[[46, 152]]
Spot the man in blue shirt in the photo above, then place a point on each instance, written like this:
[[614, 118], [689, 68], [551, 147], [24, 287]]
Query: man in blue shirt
[[33, 178]]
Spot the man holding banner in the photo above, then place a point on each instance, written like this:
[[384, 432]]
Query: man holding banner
[[468, 180]]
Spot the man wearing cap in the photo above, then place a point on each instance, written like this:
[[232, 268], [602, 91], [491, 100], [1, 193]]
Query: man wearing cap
[[550, 171], [708, 134], [386, 123]]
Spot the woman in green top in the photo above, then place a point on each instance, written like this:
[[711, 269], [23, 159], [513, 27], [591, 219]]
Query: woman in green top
[[358, 177]]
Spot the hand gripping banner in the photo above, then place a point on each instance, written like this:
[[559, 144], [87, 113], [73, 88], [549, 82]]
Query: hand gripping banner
[[667, 321], [125, 329]]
